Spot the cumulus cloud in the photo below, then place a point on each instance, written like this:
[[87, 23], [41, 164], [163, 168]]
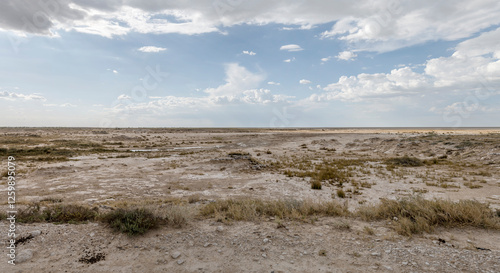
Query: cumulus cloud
[[291, 48], [304, 81], [346, 55], [17, 96], [289, 60], [273, 83], [251, 53], [238, 79], [151, 49], [474, 66]]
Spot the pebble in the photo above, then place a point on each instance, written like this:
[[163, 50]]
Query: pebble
[[179, 262], [206, 245], [176, 255], [375, 254], [24, 256], [266, 240], [35, 233], [220, 229], [264, 255]]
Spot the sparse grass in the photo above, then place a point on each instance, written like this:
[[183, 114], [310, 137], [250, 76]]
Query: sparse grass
[[471, 185], [69, 214], [61, 213], [194, 198], [416, 215], [254, 209], [405, 161], [315, 184], [131, 221], [368, 230], [340, 193]]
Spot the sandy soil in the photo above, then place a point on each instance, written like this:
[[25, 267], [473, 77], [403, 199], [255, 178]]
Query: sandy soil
[[157, 164]]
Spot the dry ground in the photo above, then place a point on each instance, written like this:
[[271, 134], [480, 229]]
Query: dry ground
[[106, 168]]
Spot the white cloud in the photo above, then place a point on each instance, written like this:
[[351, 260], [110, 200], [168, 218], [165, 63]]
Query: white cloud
[[151, 49], [304, 81], [251, 53], [386, 26], [346, 55], [238, 79], [291, 48], [115, 72], [289, 60], [326, 59], [273, 83], [124, 97], [473, 67], [17, 96]]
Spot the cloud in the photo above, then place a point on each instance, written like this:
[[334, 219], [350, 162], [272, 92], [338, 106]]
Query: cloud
[[64, 105], [389, 25], [326, 59], [273, 83], [17, 96], [291, 48], [304, 81], [151, 49], [251, 53], [238, 79], [346, 55], [473, 67], [289, 60]]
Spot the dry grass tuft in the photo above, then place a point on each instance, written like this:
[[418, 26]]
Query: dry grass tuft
[[254, 209], [416, 215]]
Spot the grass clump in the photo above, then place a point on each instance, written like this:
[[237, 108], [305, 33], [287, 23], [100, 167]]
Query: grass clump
[[69, 214], [340, 193], [131, 221], [316, 185], [61, 213], [416, 215], [405, 161], [255, 209]]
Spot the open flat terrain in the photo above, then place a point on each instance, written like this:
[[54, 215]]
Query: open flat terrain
[[181, 172]]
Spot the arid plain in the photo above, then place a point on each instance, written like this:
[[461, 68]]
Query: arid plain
[[213, 190]]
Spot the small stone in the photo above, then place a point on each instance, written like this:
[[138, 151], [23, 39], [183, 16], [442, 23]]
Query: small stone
[[92, 234], [220, 229], [179, 262], [206, 245], [264, 255], [265, 240], [35, 233], [388, 251], [388, 267], [176, 255], [24, 256], [404, 263], [375, 254], [282, 257]]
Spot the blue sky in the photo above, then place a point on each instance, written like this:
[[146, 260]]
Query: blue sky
[[128, 63]]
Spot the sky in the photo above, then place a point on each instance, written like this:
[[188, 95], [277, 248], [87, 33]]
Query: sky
[[235, 63]]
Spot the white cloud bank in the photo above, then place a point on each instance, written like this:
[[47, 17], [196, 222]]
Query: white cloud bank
[[12, 96], [388, 25], [475, 64]]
